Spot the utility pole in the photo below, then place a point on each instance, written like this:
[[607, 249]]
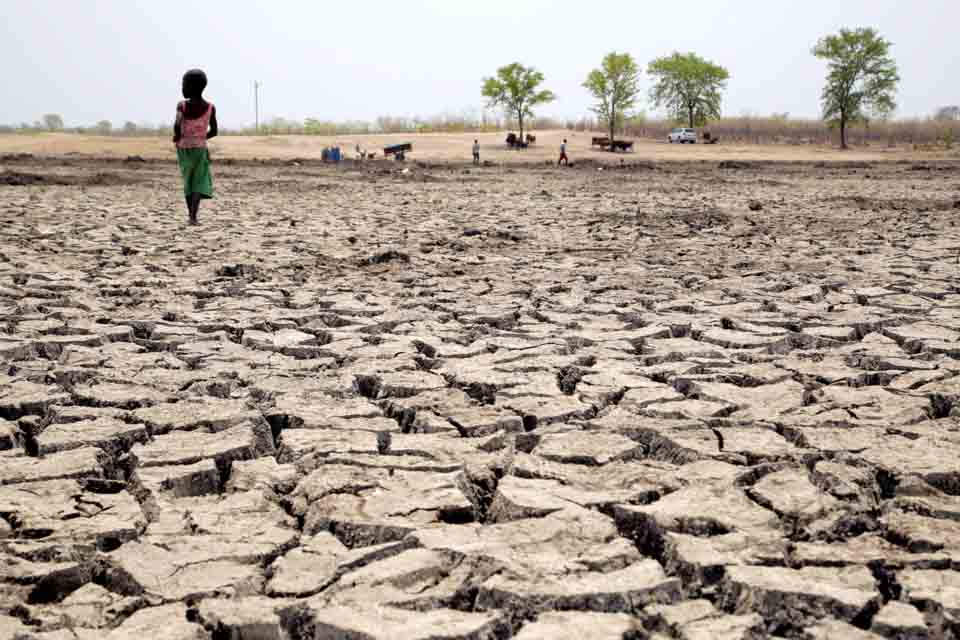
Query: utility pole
[[256, 105]]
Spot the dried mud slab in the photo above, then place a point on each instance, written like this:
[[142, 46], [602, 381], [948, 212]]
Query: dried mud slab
[[370, 402]]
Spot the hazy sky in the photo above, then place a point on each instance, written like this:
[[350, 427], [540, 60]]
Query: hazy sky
[[357, 59]]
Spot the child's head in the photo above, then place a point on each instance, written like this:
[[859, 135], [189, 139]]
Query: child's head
[[194, 82]]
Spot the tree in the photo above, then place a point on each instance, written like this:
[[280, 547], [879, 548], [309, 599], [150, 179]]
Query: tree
[[312, 126], [615, 85], [861, 77], [53, 122], [948, 113], [130, 128], [688, 87], [104, 127], [279, 125], [516, 90]]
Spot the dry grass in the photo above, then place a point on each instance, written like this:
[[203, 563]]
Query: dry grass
[[440, 147]]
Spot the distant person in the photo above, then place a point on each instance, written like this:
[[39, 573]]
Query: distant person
[[563, 154], [476, 152], [196, 123]]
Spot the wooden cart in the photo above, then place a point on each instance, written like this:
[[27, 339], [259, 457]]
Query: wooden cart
[[398, 151]]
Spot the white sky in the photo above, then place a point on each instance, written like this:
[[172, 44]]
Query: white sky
[[358, 59]]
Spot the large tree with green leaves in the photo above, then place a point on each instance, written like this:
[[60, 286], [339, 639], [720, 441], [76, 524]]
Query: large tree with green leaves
[[615, 85], [861, 77], [516, 89], [688, 87]]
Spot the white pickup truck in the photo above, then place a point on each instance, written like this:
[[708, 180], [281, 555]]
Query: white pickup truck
[[683, 136]]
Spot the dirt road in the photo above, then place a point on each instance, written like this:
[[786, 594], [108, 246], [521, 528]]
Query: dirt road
[[455, 148]]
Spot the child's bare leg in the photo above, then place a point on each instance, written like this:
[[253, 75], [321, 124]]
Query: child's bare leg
[[194, 207]]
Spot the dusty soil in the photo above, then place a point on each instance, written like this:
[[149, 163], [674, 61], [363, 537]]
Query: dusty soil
[[665, 400]]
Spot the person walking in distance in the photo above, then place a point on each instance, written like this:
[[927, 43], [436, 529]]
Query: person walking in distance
[[196, 123], [476, 152], [563, 154]]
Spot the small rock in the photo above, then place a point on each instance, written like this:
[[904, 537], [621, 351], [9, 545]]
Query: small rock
[[734, 164], [900, 620], [9, 435], [388, 256], [247, 271], [755, 205]]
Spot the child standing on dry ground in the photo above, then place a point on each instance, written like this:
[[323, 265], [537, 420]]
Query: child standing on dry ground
[[195, 124], [476, 152], [563, 154]]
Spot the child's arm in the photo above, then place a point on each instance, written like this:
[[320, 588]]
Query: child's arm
[[176, 125], [212, 133]]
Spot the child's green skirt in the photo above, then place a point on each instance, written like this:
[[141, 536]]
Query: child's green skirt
[[195, 169]]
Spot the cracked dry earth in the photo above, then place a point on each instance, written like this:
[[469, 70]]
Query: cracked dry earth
[[662, 401]]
